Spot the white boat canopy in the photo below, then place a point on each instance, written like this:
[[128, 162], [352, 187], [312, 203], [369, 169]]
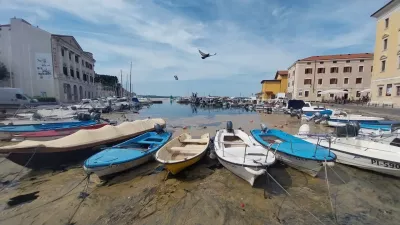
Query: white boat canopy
[[334, 91], [366, 90]]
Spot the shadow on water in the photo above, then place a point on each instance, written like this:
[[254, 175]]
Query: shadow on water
[[22, 199]]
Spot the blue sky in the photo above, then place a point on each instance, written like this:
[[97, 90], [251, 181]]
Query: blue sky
[[252, 38]]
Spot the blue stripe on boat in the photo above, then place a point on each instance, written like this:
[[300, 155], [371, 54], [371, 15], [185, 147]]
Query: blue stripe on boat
[[46, 126], [133, 149], [383, 127], [294, 146]]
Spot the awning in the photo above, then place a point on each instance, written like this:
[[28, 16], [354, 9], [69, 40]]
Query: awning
[[366, 90], [334, 91]]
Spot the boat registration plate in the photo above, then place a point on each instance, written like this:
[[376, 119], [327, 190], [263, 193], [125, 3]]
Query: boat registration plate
[[385, 163]]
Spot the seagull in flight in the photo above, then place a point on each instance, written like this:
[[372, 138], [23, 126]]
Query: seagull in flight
[[205, 55]]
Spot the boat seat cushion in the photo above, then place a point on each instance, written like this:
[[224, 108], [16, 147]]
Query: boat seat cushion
[[190, 140]]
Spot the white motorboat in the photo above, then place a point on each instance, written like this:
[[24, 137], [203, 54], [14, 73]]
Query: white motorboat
[[144, 101], [339, 118], [364, 154], [241, 154]]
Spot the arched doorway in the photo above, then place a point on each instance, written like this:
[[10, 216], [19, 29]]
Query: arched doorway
[[67, 92], [75, 93], [346, 95], [80, 92]]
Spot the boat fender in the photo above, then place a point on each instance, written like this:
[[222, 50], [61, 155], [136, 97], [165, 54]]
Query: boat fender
[[255, 172], [229, 126], [264, 128]]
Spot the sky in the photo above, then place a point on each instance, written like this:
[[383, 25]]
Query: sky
[[252, 38]]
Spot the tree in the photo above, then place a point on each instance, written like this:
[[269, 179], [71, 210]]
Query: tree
[[4, 74]]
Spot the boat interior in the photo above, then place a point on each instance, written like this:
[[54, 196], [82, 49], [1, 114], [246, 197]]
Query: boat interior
[[233, 141], [271, 139], [185, 147]]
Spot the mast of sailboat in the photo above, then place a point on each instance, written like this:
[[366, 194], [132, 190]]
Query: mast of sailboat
[[122, 87], [130, 81], [126, 85]]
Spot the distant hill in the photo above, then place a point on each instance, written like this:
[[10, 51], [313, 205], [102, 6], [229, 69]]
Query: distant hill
[[155, 96]]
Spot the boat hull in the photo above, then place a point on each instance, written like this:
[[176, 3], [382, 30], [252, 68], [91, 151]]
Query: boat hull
[[175, 168], [105, 171], [366, 163], [246, 173], [310, 167]]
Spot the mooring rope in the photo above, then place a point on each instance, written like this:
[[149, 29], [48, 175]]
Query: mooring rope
[[5, 157], [337, 175], [29, 160], [315, 217], [329, 191]]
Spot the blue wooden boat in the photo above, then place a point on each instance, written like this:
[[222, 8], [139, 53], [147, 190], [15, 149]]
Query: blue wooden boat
[[126, 155], [7, 131], [294, 151]]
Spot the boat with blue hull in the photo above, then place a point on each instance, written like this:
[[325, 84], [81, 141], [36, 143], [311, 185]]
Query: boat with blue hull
[[6, 132], [127, 155], [293, 151]]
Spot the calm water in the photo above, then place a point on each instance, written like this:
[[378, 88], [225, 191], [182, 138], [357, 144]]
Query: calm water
[[174, 110]]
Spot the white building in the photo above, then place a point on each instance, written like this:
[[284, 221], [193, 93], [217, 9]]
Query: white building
[[45, 64]]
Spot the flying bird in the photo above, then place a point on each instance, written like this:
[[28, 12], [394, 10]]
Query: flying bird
[[204, 55], [176, 77]]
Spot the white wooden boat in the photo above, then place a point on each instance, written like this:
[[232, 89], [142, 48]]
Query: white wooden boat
[[241, 154], [364, 154]]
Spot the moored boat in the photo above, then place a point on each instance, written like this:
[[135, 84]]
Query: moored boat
[[183, 151], [364, 154], [293, 151], [75, 147], [7, 131], [51, 134], [241, 154], [127, 155]]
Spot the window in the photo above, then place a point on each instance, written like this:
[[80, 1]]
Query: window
[[307, 81], [386, 23], [334, 69], [19, 96], [78, 75], [333, 81], [77, 59], [331, 95], [346, 80], [334, 61], [389, 90], [380, 91], [361, 60], [358, 94], [84, 77], [347, 69], [62, 51], [372, 68], [383, 65], [300, 93], [398, 90], [360, 68], [65, 71], [82, 62], [321, 70], [71, 71], [288, 84], [358, 80], [308, 63], [69, 55], [319, 81], [308, 71], [306, 93], [319, 94], [293, 83], [398, 61], [321, 62], [347, 61], [385, 43]]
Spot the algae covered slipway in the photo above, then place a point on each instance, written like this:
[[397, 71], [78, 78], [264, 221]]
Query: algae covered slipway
[[205, 193]]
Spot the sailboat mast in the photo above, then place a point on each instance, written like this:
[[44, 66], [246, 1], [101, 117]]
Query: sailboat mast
[[130, 80], [122, 87]]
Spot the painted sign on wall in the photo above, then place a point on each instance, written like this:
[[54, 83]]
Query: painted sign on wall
[[44, 66]]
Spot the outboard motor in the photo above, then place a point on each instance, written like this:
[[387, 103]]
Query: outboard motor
[[36, 116], [95, 116], [158, 128], [229, 126], [264, 128], [304, 129], [349, 130], [269, 110], [73, 107], [83, 117]]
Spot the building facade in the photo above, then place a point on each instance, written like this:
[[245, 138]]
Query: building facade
[[308, 77], [44, 64], [385, 85], [270, 88]]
